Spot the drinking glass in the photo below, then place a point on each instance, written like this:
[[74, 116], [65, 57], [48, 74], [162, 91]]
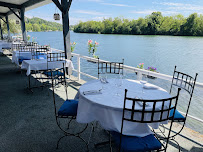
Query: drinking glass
[[143, 82], [103, 80], [119, 83]]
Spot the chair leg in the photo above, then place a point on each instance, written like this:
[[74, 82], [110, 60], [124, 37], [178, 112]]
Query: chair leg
[[69, 123], [59, 141], [173, 139], [178, 131], [91, 133], [110, 144]]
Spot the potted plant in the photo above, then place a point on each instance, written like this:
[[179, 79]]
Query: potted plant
[[151, 69], [28, 37], [72, 46], [92, 48], [140, 66]]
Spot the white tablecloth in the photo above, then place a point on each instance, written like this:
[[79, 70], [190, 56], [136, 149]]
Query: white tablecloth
[[107, 107], [25, 55], [41, 64], [4, 45]]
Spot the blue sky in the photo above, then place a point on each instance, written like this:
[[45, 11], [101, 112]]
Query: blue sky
[[84, 10]]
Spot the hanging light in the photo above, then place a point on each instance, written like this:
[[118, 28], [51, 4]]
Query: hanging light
[[17, 22], [56, 16]]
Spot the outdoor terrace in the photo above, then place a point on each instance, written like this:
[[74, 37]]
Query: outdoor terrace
[[28, 123]]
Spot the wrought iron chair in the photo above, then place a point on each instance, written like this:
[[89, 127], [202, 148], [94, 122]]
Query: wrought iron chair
[[187, 83], [68, 109], [39, 52], [22, 49], [105, 67], [145, 115], [54, 57]]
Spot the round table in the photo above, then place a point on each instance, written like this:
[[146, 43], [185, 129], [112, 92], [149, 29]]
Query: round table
[[106, 107]]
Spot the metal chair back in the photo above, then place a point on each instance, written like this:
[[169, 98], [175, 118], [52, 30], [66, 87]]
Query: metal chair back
[[133, 112], [185, 82], [105, 67], [54, 57]]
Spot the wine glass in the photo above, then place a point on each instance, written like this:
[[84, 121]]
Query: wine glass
[[119, 83], [143, 81], [103, 80]]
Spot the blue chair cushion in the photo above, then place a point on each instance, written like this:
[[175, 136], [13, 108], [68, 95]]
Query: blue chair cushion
[[54, 73], [69, 108], [133, 143], [41, 56], [178, 116], [21, 60]]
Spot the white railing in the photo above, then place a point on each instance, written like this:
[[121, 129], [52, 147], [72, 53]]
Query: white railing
[[129, 68], [140, 72]]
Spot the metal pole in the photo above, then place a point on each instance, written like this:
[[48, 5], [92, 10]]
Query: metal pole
[[78, 70], [66, 32], [8, 27], [1, 31], [22, 16], [139, 75]]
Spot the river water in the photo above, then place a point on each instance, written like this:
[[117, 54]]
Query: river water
[[162, 52]]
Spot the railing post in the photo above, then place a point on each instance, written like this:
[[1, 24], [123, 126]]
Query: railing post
[[139, 75], [78, 60]]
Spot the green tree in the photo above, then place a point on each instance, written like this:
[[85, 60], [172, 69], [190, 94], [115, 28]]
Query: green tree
[[154, 22], [36, 27]]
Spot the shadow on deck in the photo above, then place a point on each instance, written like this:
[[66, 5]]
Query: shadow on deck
[[27, 121]]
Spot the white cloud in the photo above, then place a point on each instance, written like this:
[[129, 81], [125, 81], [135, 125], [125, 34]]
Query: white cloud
[[147, 12], [143, 12], [182, 6], [75, 20], [119, 5], [89, 12]]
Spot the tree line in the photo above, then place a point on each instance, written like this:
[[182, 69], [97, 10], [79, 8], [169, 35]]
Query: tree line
[[153, 24], [34, 24], [37, 24]]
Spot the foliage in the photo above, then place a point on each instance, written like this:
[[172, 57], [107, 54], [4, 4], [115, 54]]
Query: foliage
[[154, 24], [141, 66], [92, 47], [14, 28], [151, 69], [28, 37], [34, 24], [72, 46]]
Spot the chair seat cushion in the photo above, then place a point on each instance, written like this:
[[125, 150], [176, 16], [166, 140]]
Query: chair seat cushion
[[21, 60], [133, 143], [54, 73], [41, 56], [69, 108], [178, 116]]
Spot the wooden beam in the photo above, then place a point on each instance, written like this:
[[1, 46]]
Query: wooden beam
[[8, 27], [56, 2], [14, 13], [31, 2], [22, 15], [5, 4], [10, 12], [66, 31], [69, 4], [3, 20], [1, 32], [3, 14], [68, 7]]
